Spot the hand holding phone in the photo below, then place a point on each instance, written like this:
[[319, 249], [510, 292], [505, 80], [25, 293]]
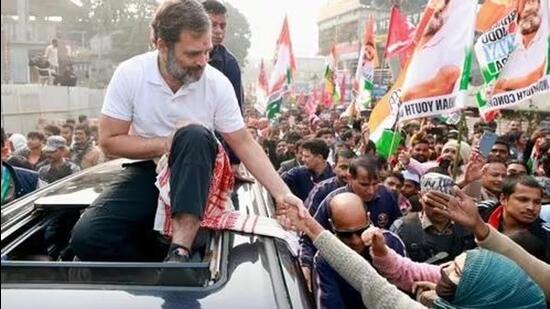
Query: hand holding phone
[[486, 142]]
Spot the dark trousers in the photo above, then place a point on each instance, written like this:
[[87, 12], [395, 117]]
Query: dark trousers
[[118, 226]]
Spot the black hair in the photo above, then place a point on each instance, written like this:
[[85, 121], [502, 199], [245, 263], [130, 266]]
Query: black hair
[[4, 137], [530, 243], [53, 128], [317, 146], [510, 183], [520, 162], [322, 132], [174, 16], [85, 128], [371, 165], [439, 170], [214, 7], [420, 141], [292, 137], [502, 141], [37, 135], [397, 175], [67, 125], [82, 118], [348, 134], [346, 154]]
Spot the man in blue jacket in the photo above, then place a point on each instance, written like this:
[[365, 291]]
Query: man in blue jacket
[[348, 220], [379, 203], [316, 168], [16, 182]]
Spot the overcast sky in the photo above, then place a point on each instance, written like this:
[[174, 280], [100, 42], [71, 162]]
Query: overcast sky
[[266, 18]]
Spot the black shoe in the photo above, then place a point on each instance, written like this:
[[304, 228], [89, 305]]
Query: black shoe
[[178, 254]]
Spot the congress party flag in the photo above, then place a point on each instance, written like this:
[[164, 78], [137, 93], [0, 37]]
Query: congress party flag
[[365, 67], [438, 72], [496, 23], [526, 71], [282, 74], [332, 89]]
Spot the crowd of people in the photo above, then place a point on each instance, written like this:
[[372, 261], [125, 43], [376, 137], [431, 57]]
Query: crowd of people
[[50, 153], [447, 222]]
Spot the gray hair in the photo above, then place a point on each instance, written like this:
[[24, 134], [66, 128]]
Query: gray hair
[[174, 16]]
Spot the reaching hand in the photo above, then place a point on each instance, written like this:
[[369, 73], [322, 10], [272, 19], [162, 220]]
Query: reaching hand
[[474, 167], [461, 209], [291, 212], [374, 238]]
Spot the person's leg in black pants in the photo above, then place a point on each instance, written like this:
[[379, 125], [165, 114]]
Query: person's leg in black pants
[[192, 159], [119, 224]]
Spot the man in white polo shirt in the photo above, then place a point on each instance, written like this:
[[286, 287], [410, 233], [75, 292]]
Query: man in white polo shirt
[[146, 99]]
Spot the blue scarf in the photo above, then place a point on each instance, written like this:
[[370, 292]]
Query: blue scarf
[[491, 280]]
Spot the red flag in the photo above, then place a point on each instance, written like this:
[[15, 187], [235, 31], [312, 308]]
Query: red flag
[[311, 104], [400, 37], [343, 88], [301, 100], [262, 78]]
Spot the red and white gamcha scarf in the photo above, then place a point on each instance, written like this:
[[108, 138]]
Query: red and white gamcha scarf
[[218, 214]]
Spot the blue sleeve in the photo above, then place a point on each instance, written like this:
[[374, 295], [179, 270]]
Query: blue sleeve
[[314, 199], [327, 291], [307, 249], [290, 178], [393, 241]]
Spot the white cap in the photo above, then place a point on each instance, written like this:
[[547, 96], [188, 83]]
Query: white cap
[[411, 176]]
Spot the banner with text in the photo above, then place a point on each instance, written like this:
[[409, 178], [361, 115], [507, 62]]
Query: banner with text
[[526, 70], [438, 73]]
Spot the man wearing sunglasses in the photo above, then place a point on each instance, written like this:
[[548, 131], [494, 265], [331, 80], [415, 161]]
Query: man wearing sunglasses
[[348, 220]]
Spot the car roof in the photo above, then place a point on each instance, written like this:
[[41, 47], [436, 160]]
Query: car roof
[[256, 268]]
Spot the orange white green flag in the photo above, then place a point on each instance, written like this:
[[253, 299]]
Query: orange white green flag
[[367, 61], [283, 72], [434, 80], [438, 72], [332, 89]]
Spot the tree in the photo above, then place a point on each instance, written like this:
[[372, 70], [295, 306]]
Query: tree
[[237, 38]]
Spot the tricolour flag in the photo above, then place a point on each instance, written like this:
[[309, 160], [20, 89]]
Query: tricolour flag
[[438, 73], [459, 16], [400, 37], [516, 57], [282, 74], [367, 61], [332, 89]]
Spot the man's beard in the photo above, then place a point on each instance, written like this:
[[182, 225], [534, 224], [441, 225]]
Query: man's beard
[[185, 75]]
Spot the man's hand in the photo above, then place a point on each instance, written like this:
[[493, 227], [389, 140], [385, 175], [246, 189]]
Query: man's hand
[[290, 212], [425, 292], [461, 209], [374, 238]]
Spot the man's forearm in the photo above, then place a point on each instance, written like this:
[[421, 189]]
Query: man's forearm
[[135, 147]]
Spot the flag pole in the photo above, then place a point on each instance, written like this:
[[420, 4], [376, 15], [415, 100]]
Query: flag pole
[[461, 128]]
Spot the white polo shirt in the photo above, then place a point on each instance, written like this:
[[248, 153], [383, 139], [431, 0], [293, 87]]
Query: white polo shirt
[[138, 93]]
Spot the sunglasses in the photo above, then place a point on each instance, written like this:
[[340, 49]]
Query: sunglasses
[[350, 234]]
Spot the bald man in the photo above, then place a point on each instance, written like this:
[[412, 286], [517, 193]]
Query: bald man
[[349, 220]]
